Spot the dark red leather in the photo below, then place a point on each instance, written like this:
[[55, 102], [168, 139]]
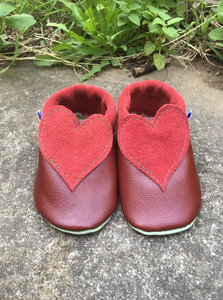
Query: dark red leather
[[147, 207], [88, 206], [143, 153], [94, 198]]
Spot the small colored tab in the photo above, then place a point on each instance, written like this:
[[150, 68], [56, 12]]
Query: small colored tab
[[39, 114], [189, 114]]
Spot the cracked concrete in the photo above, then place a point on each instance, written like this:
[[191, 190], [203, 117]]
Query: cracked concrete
[[39, 262]]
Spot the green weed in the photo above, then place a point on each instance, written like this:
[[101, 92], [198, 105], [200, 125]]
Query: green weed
[[96, 33], [16, 21], [108, 29]]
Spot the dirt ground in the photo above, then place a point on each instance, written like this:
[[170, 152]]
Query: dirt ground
[[211, 74]]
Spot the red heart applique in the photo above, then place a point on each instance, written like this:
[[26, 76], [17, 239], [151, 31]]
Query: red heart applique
[[74, 150], [157, 147]]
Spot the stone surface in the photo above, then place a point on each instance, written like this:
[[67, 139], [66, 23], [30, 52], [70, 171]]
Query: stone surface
[[39, 262]]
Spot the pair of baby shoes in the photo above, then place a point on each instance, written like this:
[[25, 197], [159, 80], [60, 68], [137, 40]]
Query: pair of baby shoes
[[76, 186]]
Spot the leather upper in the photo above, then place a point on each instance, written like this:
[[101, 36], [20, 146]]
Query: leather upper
[[90, 204], [76, 181], [147, 207], [158, 182]]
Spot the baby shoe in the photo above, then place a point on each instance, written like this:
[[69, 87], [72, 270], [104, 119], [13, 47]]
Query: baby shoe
[[158, 181], [76, 183]]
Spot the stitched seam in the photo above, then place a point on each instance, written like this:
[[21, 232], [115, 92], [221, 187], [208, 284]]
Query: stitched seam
[[185, 140], [41, 138]]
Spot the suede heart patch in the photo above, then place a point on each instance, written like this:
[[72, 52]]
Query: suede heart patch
[[157, 147], [74, 150]]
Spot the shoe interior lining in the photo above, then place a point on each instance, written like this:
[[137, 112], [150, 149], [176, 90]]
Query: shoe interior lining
[[84, 103], [148, 102]]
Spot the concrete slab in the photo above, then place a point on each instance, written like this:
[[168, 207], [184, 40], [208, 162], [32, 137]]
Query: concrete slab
[[39, 262]]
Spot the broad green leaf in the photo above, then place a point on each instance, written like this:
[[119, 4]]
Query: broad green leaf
[[163, 3], [159, 61], [220, 17], [100, 7], [19, 21], [174, 21], [60, 26], [94, 70], [170, 32], [172, 4], [153, 9], [124, 8], [105, 63], [158, 21], [134, 18], [154, 28], [217, 34], [62, 47], [122, 20], [46, 61], [76, 11], [163, 16], [68, 4], [84, 49], [131, 51], [93, 14], [147, 15], [79, 15], [115, 62], [6, 8], [134, 6], [149, 48], [89, 26], [180, 10], [124, 47], [220, 7], [139, 49]]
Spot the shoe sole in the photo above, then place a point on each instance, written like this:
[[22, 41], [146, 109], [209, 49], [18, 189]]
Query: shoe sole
[[81, 232], [165, 232]]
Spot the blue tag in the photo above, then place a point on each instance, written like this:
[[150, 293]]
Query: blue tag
[[189, 114], [39, 115]]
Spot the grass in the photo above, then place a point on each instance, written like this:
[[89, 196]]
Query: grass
[[90, 34]]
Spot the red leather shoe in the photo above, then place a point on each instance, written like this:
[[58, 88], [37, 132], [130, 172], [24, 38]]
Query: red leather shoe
[[158, 181], [76, 183]]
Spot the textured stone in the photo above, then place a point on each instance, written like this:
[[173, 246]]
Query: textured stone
[[39, 262]]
